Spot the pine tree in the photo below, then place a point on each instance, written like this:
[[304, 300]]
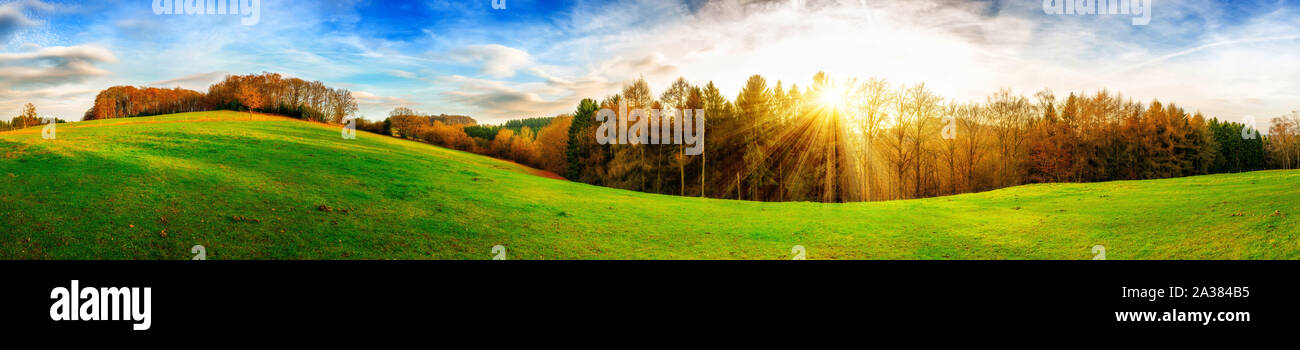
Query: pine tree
[[717, 111], [581, 139], [754, 107]]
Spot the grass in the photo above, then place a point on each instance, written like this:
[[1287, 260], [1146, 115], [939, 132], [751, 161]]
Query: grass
[[150, 188]]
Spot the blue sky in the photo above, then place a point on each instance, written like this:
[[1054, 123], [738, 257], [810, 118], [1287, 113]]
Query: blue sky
[[538, 58]]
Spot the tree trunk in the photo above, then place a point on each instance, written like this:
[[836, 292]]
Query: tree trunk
[[703, 170]]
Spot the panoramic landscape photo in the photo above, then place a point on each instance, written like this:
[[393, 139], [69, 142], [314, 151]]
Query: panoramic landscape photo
[[658, 129]]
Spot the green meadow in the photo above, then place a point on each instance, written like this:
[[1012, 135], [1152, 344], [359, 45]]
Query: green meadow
[[267, 187]]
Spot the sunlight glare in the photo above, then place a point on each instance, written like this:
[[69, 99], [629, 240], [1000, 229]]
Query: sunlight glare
[[832, 97]]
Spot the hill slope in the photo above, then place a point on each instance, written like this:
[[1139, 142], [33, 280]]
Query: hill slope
[[253, 189]]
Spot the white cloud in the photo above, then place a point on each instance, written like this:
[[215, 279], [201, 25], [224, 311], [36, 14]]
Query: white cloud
[[401, 74], [53, 65], [962, 50], [197, 82], [1192, 53], [493, 60], [372, 101], [80, 53], [47, 93], [499, 100]]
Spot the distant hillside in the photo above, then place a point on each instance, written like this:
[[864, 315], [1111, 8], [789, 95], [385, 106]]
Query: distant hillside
[[453, 119]]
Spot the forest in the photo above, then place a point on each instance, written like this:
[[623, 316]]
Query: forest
[[266, 92], [867, 140], [831, 141]]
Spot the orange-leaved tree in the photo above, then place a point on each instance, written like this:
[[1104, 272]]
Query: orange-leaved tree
[[250, 98]]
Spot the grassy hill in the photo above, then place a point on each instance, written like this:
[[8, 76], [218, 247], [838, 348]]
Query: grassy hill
[[150, 188]]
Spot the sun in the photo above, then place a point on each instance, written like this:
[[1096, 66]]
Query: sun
[[832, 97]]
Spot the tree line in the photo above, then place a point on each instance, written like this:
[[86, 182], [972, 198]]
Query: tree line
[[536, 142], [872, 140], [25, 119], [266, 92], [489, 132]]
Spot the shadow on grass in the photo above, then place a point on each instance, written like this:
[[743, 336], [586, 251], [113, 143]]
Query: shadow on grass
[[240, 196]]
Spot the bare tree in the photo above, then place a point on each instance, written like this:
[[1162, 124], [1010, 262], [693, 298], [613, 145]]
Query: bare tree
[[1010, 114], [972, 124], [924, 105], [897, 152], [869, 104]]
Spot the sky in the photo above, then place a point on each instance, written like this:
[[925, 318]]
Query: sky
[[1228, 59]]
